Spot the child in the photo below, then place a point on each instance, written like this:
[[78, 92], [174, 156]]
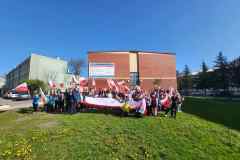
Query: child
[[35, 102]]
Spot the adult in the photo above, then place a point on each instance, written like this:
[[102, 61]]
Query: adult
[[154, 102], [72, 107], [77, 99], [174, 99], [139, 101], [61, 101]]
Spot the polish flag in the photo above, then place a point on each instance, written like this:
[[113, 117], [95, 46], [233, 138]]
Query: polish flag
[[22, 88], [62, 85], [126, 88], [52, 84], [43, 97], [112, 85], [74, 80], [120, 83], [93, 82], [166, 103], [123, 86], [83, 81]]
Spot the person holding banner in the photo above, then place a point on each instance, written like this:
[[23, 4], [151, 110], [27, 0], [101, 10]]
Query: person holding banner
[[139, 101]]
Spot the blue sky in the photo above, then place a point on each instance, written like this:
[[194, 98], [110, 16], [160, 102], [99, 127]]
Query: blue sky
[[195, 30]]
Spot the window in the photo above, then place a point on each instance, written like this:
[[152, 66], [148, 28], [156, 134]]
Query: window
[[134, 78]]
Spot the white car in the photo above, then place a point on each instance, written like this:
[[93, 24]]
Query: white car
[[12, 95], [23, 96]]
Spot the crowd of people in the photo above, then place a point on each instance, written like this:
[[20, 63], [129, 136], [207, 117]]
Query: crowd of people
[[144, 102]]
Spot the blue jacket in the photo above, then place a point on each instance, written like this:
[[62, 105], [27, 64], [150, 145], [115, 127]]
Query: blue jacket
[[51, 100], [77, 96], [36, 100]]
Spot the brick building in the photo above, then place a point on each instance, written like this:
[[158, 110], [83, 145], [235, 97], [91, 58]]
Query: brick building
[[135, 67]]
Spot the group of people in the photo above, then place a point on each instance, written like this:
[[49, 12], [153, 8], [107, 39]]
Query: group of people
[[57, 101], [144, 102]]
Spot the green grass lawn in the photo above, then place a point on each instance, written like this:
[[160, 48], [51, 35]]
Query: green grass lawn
[[103, 136]]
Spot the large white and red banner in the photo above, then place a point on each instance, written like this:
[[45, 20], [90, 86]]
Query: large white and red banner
[[103, 102]]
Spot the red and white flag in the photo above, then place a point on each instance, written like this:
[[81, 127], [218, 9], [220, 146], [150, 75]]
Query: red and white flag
[[126, 88], [93, 82], [22, 88], [112, 85], [43, 97], [83, 81], [123, 86], [62, 85], [52, 84], [121, 83], [74, 80]]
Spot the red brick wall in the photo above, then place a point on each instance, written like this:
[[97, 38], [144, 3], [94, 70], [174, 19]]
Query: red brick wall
[[151, 66], [157, 66], [120, 60]]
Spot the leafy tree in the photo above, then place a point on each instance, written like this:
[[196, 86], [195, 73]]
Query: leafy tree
[[179, 80], [221, 72], [234, 71], [35, 85], [203, 78], [186, 80]]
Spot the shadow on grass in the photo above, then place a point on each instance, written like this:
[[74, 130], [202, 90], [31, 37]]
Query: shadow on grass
[[113, 112], [25, 110], [226, 112]]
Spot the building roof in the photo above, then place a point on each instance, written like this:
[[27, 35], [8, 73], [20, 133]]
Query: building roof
[[131, 51]]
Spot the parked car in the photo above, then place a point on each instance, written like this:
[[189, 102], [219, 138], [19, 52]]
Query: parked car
[[23, 96], [17, 96], [11, 95]]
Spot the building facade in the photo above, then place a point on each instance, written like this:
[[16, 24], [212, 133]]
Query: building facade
[[38, 67], [2, 84], [135, 67]]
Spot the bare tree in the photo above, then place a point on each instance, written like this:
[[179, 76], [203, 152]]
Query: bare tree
[[75, 66]]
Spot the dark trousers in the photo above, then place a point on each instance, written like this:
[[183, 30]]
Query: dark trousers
[[61, 106], [35, 107], [57, 106], [173, 110], [72, 107]]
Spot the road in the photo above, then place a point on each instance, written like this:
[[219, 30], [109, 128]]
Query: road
[[7, 104]]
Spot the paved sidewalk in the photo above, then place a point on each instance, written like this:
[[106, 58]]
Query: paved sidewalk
[[7, 104]]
